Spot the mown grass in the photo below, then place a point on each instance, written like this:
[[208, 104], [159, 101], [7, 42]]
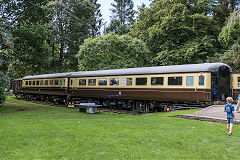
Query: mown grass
[[49, 132]]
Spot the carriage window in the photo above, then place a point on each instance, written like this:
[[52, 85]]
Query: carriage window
[[114, 81], [157, 81], [71, 82], [174, 80], [126, 81], [30, 82], [26, 83], [82, 82], [51, 82], [92, 82], [34, 82], [189, 81], [201, 80], [102, 82], [238, 81], [41, 83], [64, 82], [60, 82], [46, 82], [37, 83], [56, 82], [141, 81]]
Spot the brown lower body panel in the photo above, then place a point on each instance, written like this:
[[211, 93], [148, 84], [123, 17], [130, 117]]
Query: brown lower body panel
[[144, 93], [61, 91]]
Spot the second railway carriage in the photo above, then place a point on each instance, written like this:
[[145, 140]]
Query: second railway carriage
[[137, 88], [48, 87]]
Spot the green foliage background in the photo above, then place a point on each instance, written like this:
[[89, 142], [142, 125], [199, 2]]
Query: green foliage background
[[113, 51]]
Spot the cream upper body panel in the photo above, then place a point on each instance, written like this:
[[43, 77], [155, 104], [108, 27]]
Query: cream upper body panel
[[236, 81], [122, 81], [54, 82]]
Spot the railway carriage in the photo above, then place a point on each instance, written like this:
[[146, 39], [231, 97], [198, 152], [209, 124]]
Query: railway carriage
[[143, 89], [235, 85]]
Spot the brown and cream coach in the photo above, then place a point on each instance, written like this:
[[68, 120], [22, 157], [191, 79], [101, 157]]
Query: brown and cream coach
[[142, 89]]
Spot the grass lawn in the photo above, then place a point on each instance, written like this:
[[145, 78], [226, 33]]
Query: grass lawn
[[33, 131]]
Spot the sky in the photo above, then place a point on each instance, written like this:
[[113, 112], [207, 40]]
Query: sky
[[106, 5]]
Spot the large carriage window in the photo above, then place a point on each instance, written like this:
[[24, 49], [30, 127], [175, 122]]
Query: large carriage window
[[56, 82], [51, 82], [201, 80], [174, 80], [30, 83], [60, 82], [46, 82], [114, 81], [141, 81], [189, 81], [92, 82], [26, 83], [82, 82], [37, 82], [41, 83], [34, 82], [126, 81], [238, 81], [157, 81], [102, 82]]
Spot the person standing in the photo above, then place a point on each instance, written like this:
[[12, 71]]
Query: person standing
[[229, 108]]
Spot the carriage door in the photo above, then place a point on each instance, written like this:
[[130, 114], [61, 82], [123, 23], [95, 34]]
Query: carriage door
[[214, 86], [223, 83]]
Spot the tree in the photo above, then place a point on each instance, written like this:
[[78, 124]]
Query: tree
[[222, 10], [31, 51], [123, 17], [178, 32], [112, 51], [230, 36], [73, 21]]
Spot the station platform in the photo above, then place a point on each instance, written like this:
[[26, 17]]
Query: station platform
[[214, 113]]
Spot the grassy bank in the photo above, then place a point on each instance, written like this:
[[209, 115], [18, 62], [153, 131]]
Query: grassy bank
[[33, 131]]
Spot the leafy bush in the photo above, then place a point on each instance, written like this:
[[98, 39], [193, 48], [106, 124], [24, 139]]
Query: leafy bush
[[2, 96]]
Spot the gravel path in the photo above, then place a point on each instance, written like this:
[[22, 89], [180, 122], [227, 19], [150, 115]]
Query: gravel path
[[213, 113]]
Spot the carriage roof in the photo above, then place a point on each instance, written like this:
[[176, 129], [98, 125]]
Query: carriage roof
[[187, 68]]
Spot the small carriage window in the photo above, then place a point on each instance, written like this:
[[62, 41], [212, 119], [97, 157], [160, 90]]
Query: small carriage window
[[71, 82], [26, 82], [189, 81], [141, 81], [102, 82], [157, 81], [126, 81], [46, 82], [82, 82], [114, 81], [51, 82], [238, 81], [92, 82], [56, 82], [30, 82], [37, 83], [34, 82], [60, 82], [201, 80], [174, 80], [41, 83], [64, 82]]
